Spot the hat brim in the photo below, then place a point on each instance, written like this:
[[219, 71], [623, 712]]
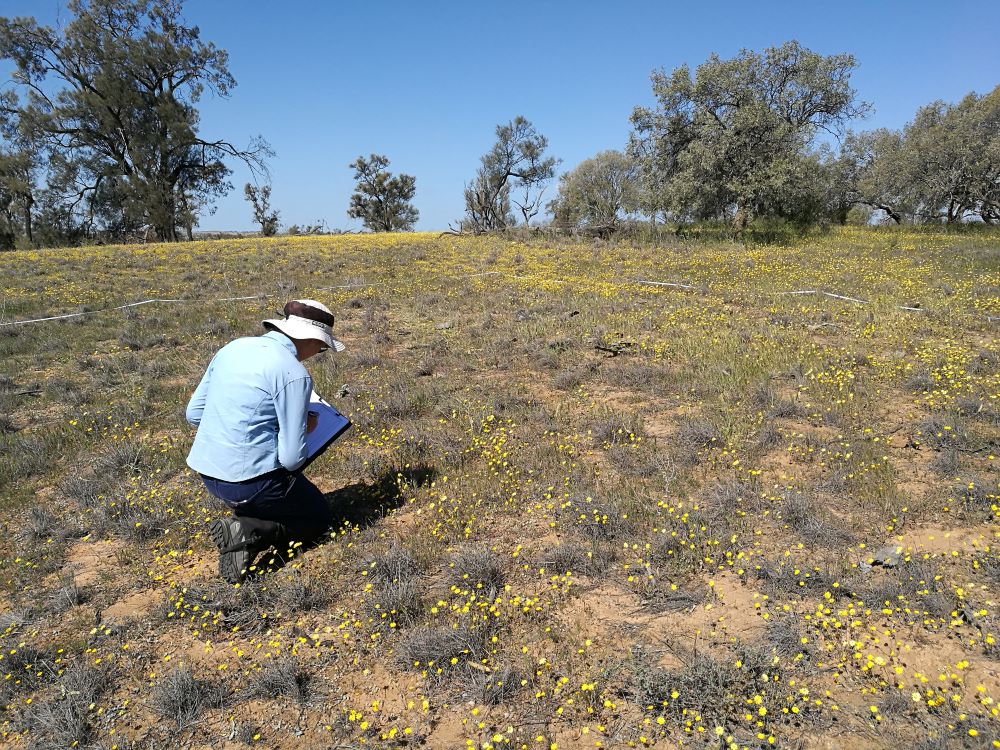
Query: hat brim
[[300, 329]]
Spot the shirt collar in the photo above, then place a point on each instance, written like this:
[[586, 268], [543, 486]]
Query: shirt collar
[[283, 340]]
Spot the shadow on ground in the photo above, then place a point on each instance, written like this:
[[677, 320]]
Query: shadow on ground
[[359, 505], [363, 505]]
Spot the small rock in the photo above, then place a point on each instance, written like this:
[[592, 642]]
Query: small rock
[[344, 391], [443, 326], [888, 556]]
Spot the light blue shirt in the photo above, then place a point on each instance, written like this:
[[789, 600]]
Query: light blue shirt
[[250, 409]]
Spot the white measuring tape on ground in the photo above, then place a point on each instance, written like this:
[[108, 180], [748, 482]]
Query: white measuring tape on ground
[[820, 292], [157, 299], [646, 282]]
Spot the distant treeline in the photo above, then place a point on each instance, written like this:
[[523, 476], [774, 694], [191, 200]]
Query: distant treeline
[[100, 141]]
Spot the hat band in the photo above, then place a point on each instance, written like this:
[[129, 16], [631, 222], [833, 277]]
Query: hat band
[[315, 323]]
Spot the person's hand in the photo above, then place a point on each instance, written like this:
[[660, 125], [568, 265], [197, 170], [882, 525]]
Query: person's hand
[[312, 419]]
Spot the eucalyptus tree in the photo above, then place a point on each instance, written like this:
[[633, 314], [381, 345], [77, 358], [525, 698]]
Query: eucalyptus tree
[[943, 166], [730, 139], [19, 167], [113, 98], [599, 192]]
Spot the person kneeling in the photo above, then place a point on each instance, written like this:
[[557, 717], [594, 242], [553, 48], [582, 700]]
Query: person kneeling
[[251, 411]]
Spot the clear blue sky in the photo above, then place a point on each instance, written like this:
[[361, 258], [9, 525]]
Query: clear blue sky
[[426, 83]]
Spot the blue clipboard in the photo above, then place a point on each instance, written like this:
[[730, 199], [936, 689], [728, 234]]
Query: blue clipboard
[[331, 425]]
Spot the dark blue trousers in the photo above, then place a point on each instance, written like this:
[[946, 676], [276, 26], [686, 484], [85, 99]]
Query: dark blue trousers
[[281, 506]]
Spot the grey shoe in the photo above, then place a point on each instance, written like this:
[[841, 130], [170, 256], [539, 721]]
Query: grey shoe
[[235, 554]]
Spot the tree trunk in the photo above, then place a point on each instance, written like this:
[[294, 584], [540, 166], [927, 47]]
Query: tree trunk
[[28, 203], [741, 220]]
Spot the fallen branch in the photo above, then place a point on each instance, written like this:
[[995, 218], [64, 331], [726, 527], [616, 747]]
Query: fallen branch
[[615, 349]]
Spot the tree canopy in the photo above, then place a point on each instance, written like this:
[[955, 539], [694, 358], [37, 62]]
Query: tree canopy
[[944, 166], [733, 139], [111, 102], [598, 192], [259, 199], [517, 163], [382, 201]]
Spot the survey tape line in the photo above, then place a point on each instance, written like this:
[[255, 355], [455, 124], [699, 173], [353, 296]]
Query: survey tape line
[[122, 307], [990, 318], [647, 282], [664, 283], [157, 299]]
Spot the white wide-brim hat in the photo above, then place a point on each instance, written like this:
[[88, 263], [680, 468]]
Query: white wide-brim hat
[[306, 319]]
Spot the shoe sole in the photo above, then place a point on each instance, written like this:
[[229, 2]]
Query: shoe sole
[[228, 569]]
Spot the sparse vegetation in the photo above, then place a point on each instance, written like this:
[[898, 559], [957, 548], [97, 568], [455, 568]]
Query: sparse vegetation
[[750, 526]]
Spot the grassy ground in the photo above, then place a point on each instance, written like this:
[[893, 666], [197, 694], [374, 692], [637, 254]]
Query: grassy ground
[[577, 510]]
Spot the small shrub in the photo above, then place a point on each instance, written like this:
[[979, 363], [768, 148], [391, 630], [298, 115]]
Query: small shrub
[[181, 698], [565, 557], [919, 382], [985, 362], [694, 435], [283, 678], [977, 493], [405, 401], [781, 578], [989, 565], [940, 433], [64, 720], [762, 398], [27, 666], [86, 491], [368, 357], [804, 515], [40, 524], [123, 458], [479, 569], [616, 428], [976, 408], [299, 595], [394, 605], [568, 380], [69, 594], [730, 494], [910, 587], [642, 460], [136, 338], [784, 408], [632, 375], [662, 598], [396, 565], [785, 637], [495, 688], [434, 649], [598, 521], [766, 437], [946, 463], [701, 687], [247, 609], [135, 518], [25, 456]]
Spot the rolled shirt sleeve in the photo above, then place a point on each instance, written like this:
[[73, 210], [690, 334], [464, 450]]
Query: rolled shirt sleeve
[[291, 405]]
